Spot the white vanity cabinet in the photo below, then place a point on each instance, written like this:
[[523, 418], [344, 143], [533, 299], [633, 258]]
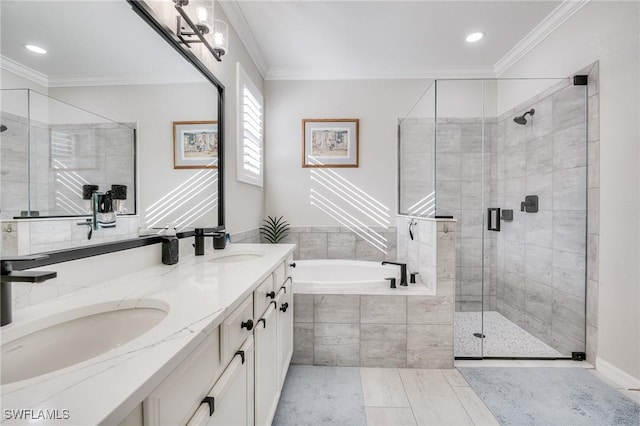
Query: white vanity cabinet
[[236, 375]]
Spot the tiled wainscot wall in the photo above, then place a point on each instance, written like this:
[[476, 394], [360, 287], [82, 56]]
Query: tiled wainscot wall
[[390, 330], [27, 236], [342, 243]]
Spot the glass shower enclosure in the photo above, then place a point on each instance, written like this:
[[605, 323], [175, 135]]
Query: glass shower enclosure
[[506, 158]]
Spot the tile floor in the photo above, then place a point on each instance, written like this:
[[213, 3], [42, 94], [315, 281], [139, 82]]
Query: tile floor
[[398, 396], [402, 397], [502, 337]]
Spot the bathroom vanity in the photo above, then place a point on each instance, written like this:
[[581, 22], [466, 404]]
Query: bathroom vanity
[[215, 351]]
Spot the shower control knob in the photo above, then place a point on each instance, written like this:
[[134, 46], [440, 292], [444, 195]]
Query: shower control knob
[[284, 307], [248, 324], [292, 265], [271, 294]]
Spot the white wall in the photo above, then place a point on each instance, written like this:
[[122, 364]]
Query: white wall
[[376, 103], [608, 32]]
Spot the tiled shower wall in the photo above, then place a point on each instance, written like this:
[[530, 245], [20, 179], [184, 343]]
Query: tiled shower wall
[[63, 158], [460, 164], [541, 256]]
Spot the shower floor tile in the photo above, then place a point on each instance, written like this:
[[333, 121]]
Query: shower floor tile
[[502, 337]]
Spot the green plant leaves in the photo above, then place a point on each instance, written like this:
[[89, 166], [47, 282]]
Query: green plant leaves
[[274, 229]]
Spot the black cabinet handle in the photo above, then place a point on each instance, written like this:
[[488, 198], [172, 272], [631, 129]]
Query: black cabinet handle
[[209, 400], [284, 307], [292, 265], [247, 324], [264, 322], [271, 294]]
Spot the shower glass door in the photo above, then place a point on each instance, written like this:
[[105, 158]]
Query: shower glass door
[[520, 146]]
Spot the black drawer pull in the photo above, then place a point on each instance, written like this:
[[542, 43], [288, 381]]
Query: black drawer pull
[[271, 294], [264, 322], [241, 353], [247, 324], [284, 307], [211, 402]]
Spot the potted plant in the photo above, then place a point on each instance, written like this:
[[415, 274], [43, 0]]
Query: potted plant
[[274, 229]]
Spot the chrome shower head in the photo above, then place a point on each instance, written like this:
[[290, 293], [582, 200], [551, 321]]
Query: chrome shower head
[[521, 119]]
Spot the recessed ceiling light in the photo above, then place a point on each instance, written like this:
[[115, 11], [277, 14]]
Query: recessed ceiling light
[[35, 49], [473, 37]]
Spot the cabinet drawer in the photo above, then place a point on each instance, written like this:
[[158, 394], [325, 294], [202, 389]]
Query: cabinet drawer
[[229, 401], [263, 295], [236, 328], [179, 395], [288, 265], [279, 275]]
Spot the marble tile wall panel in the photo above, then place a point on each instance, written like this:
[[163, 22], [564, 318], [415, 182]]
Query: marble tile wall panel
[[336, 344], [383, 345], [326, 242]]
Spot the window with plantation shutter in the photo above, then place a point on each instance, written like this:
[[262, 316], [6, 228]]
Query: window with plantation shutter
[[250, 130]]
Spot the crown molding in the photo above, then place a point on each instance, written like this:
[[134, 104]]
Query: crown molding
[[380, 73], [119, 80], [237, 20], [93, 80], [24, 71], [557, 17]]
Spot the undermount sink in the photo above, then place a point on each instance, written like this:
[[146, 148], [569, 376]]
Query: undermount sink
[[237, 257], [75, 340]]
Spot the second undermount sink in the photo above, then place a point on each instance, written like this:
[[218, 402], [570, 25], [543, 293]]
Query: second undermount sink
[[237, 257], [88, 334]]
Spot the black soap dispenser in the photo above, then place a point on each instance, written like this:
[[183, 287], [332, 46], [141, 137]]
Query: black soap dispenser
[[170, 247]]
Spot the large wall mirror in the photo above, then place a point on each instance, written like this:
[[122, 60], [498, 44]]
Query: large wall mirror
[[112, 104]]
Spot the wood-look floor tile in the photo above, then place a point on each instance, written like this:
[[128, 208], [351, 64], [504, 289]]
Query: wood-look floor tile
[[432, 399], [479, 413], [454, 377], [389, 416], [382, 387]]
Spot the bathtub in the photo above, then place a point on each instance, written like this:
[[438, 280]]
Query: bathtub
[[350, 277]]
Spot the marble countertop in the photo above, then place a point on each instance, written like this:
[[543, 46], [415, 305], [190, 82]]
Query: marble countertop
[[104, 389]]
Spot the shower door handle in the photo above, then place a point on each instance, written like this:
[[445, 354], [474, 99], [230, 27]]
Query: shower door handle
[[493, 219]]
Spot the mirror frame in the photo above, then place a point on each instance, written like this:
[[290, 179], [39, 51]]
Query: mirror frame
[[145, 12]]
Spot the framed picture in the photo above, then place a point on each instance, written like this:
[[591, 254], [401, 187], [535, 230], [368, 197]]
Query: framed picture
[[330, 142], [195, 144]]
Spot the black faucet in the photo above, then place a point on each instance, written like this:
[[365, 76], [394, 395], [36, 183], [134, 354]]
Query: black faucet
[[403, 271], [9, 276], [216, 232]]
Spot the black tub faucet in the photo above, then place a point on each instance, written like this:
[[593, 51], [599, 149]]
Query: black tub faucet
[[403, 271]]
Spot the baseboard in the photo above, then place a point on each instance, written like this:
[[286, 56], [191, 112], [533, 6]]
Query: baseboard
[[616, 375]]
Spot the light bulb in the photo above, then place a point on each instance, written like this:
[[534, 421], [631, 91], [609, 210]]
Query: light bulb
[[202, 14], [218, 39]]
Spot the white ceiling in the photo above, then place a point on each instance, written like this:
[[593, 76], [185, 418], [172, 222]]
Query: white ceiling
[[104, 42], [389, 39], [88, 42]]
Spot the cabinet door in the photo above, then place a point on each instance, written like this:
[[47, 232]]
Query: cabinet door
[[285, 331], [229, 398], [266, 373]]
